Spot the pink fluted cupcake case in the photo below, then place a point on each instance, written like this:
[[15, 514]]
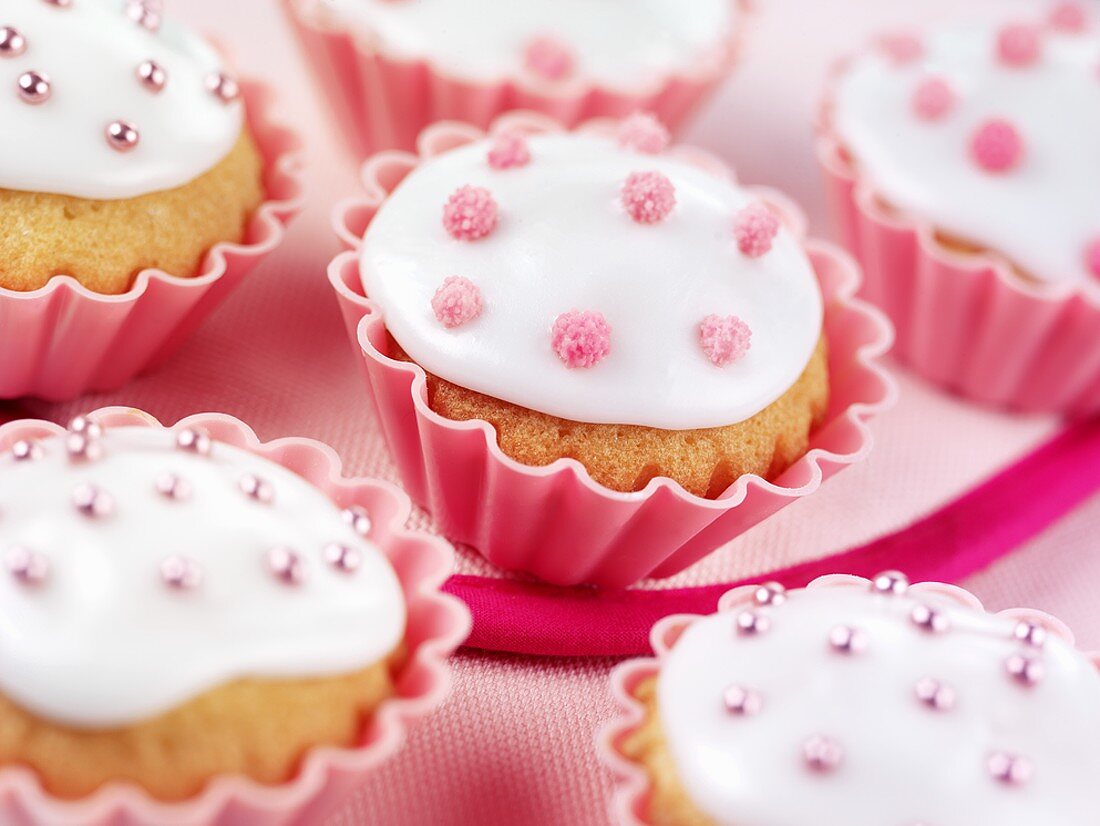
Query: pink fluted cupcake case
[[384, 103], [63, 340], [555, 522], [630, 799], [966, 321], [437, 625]]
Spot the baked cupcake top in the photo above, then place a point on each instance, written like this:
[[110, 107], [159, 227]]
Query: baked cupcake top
[[612, 43], [860, 704], [143, 567], [107, 101], [595, 278], [989, 134]]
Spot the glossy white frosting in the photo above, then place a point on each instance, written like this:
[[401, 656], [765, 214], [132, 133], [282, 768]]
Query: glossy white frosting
[[90, 52], [903, 764], [1041, 215], [103, 641], [623, 44], [564, 242]]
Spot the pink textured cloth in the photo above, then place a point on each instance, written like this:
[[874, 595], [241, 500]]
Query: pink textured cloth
[[514, 742]]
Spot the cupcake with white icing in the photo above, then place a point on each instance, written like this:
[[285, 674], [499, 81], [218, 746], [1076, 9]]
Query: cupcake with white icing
[[180, 606], [857, 703], [595, 300], [419, 61], [964, 176], [131, 158]]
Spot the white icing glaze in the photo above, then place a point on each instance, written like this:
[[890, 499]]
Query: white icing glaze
[[565, 242], [903, 763], [616, 43], [91, 51], [105, 642], [1041, 215]]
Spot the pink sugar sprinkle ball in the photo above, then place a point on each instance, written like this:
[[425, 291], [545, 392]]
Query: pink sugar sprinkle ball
[[509, 150], [642, 132], [549, 58], [470, 213], [997, 146], [581, 338], [648, 197], [1068, 17], [457, 301], [724, 339], [1019, 44], [902, 48], [933, 99], [755, 228]]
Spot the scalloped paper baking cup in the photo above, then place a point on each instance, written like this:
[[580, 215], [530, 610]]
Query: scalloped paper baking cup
[[965, 321], [554, 521], [383, 102], [63, 340], [437, 625], [630, 799]]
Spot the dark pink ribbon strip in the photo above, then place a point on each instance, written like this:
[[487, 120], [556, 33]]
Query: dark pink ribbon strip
[[960, 538]]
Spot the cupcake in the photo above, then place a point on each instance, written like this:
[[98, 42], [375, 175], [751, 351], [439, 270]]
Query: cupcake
[[590, 298], [962, 173], [823, 705], [133, 159], [392, 68], [179, 609]]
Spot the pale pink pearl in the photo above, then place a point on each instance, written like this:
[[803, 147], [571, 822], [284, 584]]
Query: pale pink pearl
[[144, 13], [847, 640], [648, 197], [929, 619], [933, 99], [644, 133], [724, 339], [1030, 633], [890, 582], [1019, 44], [181, 573], [193, 440], [1010, 769], [1069, 17], [151, 75], [1026, 670], [342, 557], [755, 228], [509, 150], [82, 447], [770, 593], [822, 754], [741, 701], [358, 519], [286, 565], [223, 87], [549, 58], [122, 136], [12, 43], [936, 695], [751, 624], [902, 48], [470, 213], [61, 4], [997, 146], [92, 502], [457, 301], [171, 486], [256, 488], [85, 426], [581, 338], [27, 566], [26, 450], [34, 87]]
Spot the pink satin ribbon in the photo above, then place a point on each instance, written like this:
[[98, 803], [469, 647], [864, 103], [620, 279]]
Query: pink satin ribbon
[[964, 536]]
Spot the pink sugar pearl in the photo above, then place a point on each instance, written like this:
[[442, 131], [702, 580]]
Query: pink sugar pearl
[[997, 146], [457, 301], [642, 132], [509, 150], [549, 58], [724, 339], [470, 213], [1019, 44], [755, 228], [933, 99], [648, 196], [1092, 256], [902, 48], [581, 338], [1068, 17]]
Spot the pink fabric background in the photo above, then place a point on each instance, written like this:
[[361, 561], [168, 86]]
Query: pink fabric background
[[514, 742]]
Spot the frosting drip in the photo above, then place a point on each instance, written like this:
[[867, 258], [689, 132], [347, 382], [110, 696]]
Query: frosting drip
[[139, 574], [583, 311], [989, 135], [853, 708], [93, 54], [622, 44]]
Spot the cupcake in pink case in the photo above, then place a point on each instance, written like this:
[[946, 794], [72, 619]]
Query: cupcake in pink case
[[142, 183], [203, 629], [595, 359], [962, 173], [393, 67], [856, 703]]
